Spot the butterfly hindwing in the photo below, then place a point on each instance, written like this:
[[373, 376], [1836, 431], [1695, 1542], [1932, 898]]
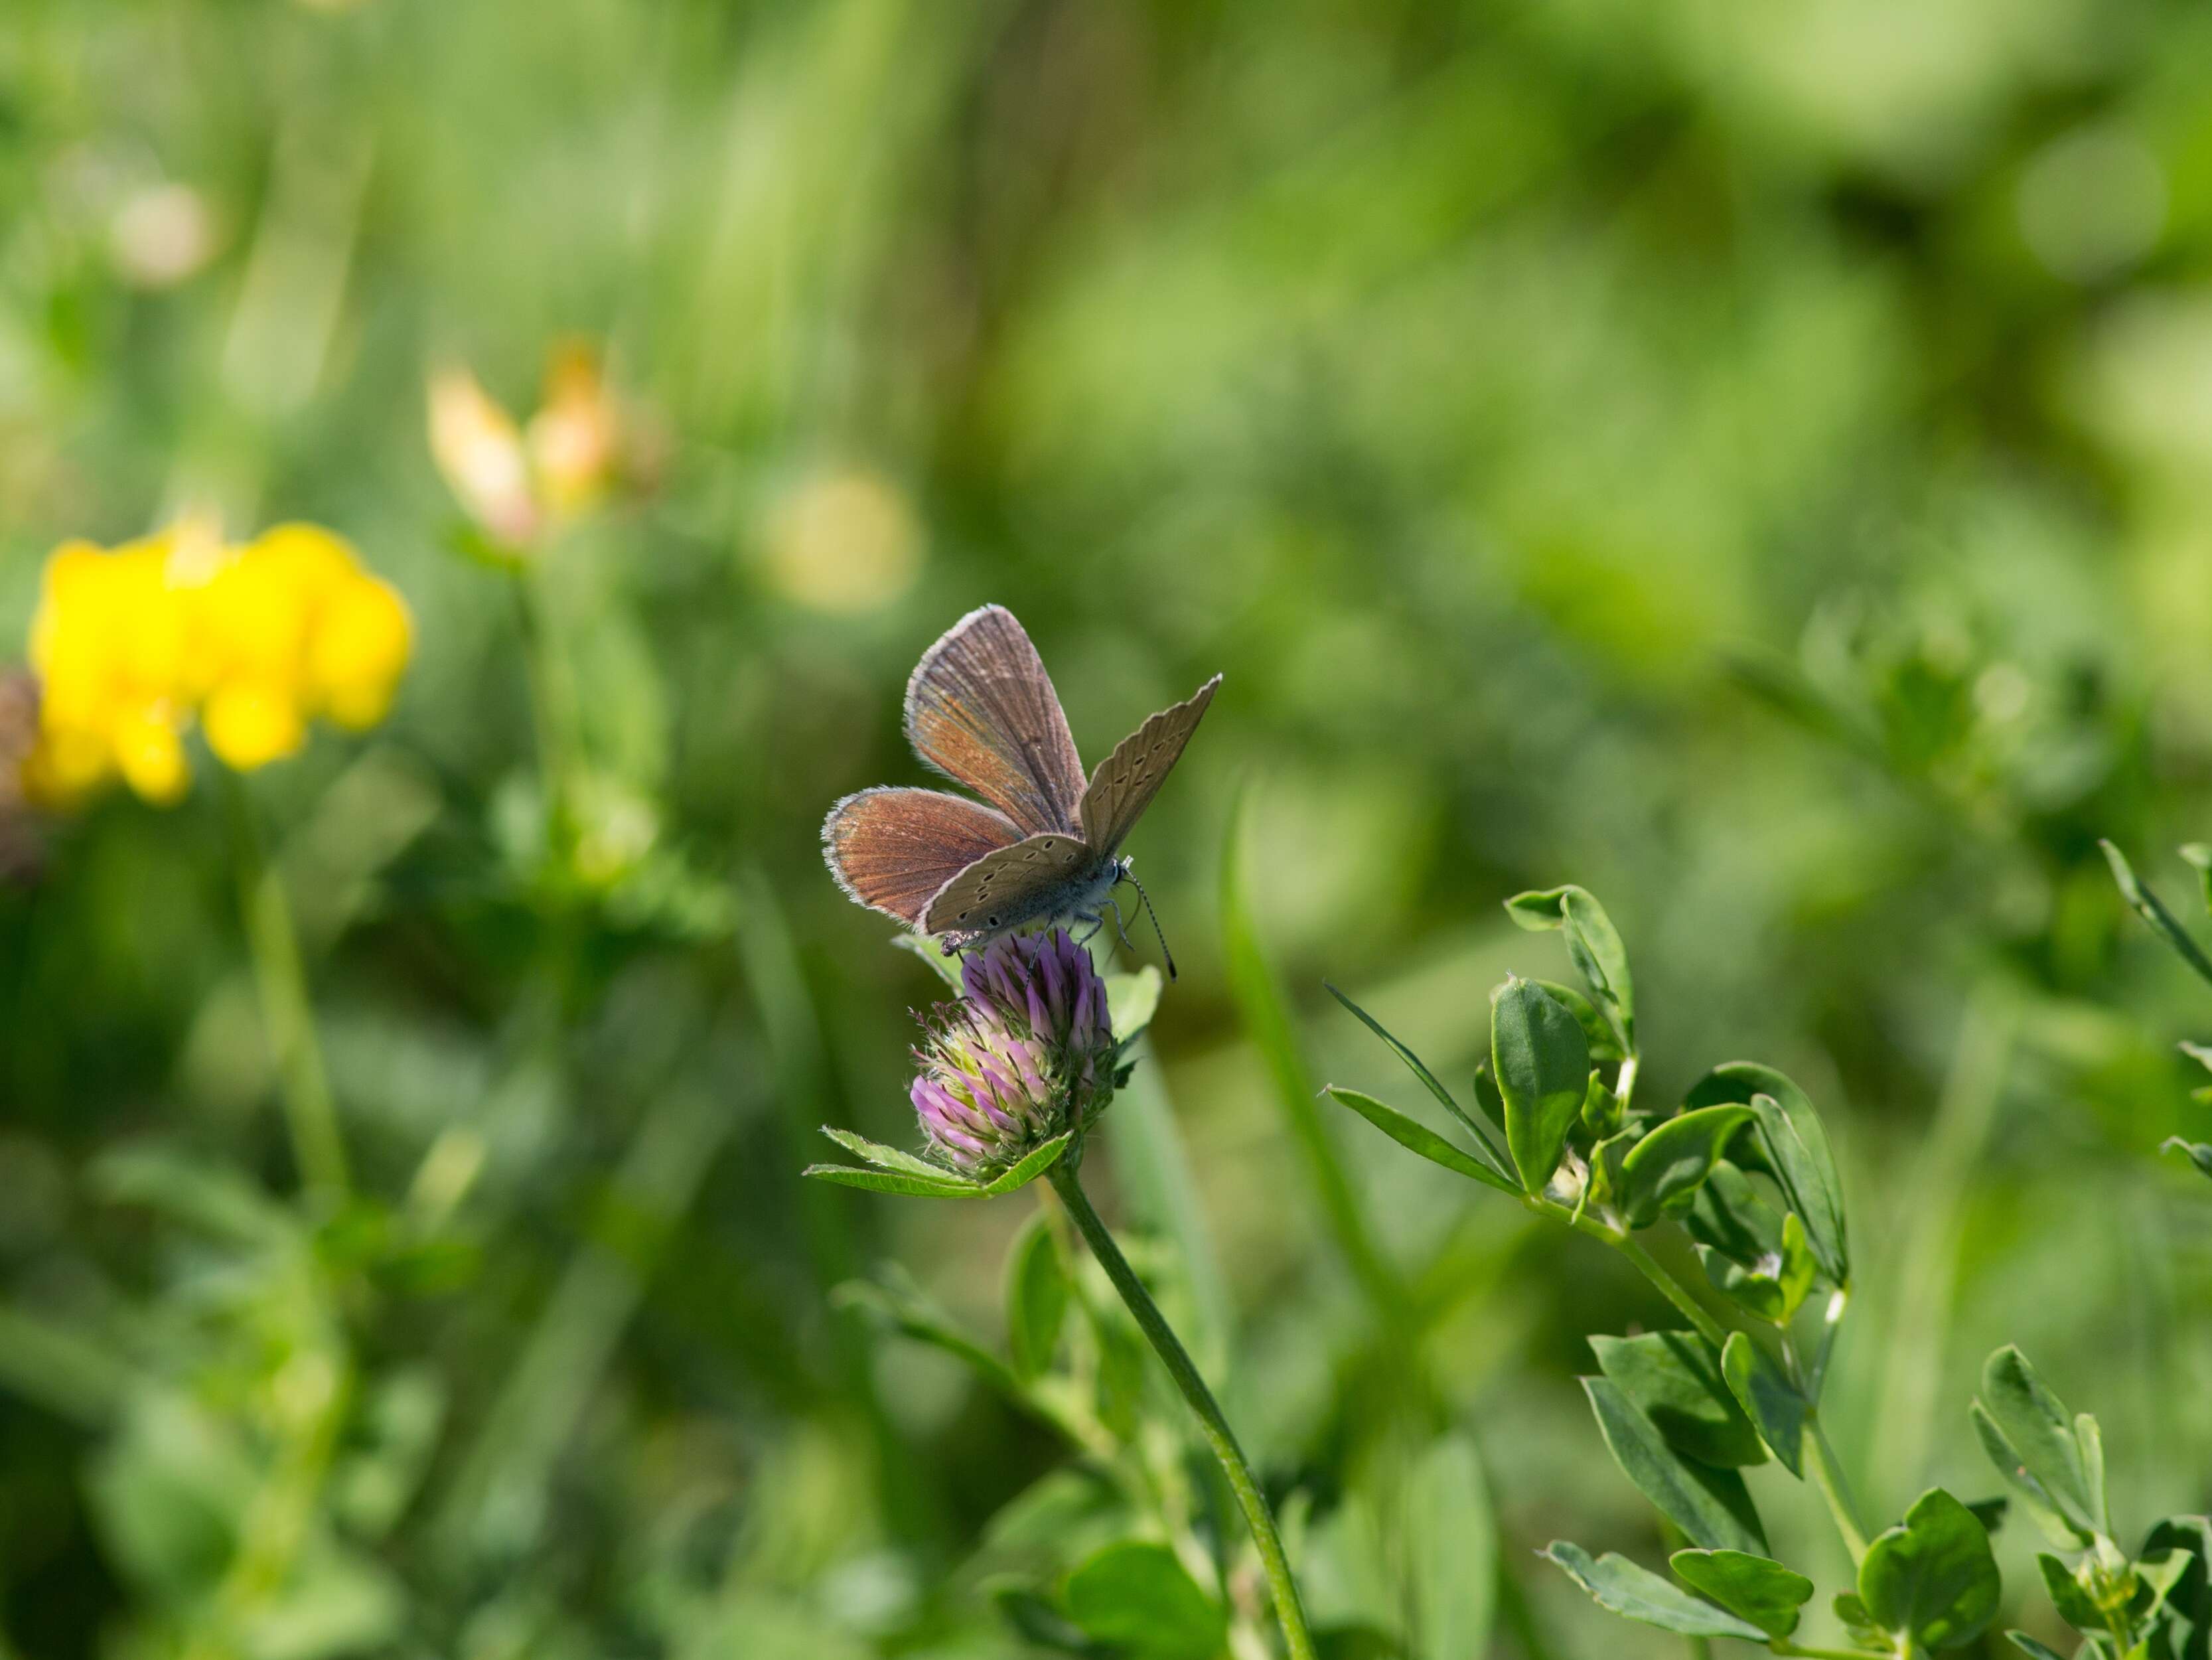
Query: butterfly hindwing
[[1127, 779], [1037, 877], [982, 711], [894, 850]]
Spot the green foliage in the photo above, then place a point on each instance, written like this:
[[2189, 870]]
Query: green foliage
[[1931, 1579], [1619, 1584], [1675, 1377], [1707, 1502], [1139, 1598], [1541, 1062], [1748, 463], [1753, 1588]]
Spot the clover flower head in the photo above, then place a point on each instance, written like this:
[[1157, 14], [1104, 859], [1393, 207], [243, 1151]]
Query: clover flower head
[[1026, 1053]]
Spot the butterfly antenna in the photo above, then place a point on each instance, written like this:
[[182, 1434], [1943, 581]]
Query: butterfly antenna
[[1157, 931]]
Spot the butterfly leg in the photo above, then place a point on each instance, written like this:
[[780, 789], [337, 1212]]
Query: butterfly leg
[[1120, 927]]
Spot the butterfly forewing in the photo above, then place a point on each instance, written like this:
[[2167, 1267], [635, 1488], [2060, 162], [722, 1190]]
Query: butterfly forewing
[[1035, 878], [895, 849], [1127, 779], [981, 710]]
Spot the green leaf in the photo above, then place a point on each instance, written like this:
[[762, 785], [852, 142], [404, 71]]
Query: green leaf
[[1486, 1096], [1675, 1377], [1729, 1217], [1708, 1504], [1755, 1588], [1592, 942], [1132, 1000], [2199, 1152], [900, 1303], [1667, 1166], [1417, 1137], [1794, 1147], [1617, 1584], [2073, 1600], [2183, 1629], [2148, 905], [2026, 1644], [1605, 1162], [1932, 1577], [1419, 1069], [1033, 1165], [1604, 1041], [1542, 1066], [1452, 1547], [1036, 1621], [2028, 1435], [884, 1181], [1138, 1596], [1766, 1393], [884, 1157], [1601, 1114], [1859, 1623], [1036, 1297]]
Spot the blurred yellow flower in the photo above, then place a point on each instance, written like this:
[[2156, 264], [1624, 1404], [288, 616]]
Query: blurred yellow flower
[[574, 438], [517, 483], [479, 450], [844, 540], [255, 641]]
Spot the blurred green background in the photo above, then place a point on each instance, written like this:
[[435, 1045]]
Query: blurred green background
[[1755, 460]]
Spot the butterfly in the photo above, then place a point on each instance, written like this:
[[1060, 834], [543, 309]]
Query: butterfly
[[1042, 844]]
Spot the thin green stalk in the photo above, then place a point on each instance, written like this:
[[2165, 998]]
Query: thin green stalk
[[1783, 1645], [1674, 1291], [552, 708], [1942, 1184], [1827, 1473], [1261, 1003], [1211, 1424], [281, 979]]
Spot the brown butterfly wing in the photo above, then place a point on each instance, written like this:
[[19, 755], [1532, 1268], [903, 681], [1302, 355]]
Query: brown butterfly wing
[[894, 850], [1035, 878], [981, 710], [1127, 779]]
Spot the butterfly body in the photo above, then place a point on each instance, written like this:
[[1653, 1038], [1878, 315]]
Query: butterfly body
[[1043, 844]]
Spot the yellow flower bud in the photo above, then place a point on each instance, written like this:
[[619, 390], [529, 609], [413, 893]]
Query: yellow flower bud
[[574, 436]]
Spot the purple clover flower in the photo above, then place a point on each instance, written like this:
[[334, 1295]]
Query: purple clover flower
[[1026, 1054]]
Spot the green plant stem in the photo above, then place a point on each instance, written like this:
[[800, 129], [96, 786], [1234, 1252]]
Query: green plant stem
[[1266, 1013], [553, 710], [1674, 1291], [1215, 1427], [1783, 1645], [281, 980], [1828, 1475]]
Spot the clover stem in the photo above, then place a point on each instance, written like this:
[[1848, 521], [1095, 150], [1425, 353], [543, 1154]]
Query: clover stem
[[1828, 1475], [1211, 1424], [280, 979]]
